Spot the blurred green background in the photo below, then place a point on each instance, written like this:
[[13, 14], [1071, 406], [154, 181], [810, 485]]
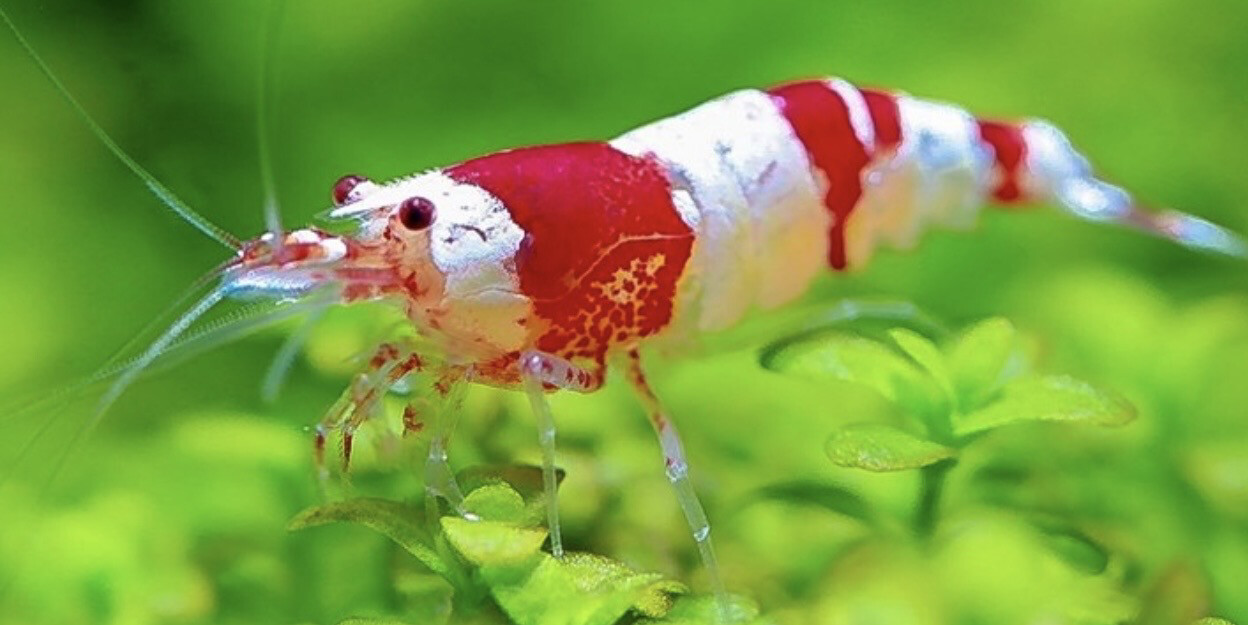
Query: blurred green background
[[174, 510]]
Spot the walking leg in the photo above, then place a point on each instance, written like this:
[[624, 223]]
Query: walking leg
[[539, 370], [448, 392], [677, 469]]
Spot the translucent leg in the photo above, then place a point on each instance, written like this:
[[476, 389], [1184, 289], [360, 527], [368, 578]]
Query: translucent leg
[[333, 420], [537, 370], [546, 438], [369, 403], [439, 478], [360, 401], [677, 468]]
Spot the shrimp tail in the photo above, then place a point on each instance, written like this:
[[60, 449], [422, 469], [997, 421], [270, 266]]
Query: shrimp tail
[[1057, 173]]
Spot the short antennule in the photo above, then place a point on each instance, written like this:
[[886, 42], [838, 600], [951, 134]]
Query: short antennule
[[1056, 171]]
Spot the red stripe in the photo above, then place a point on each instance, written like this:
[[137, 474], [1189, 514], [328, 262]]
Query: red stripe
[[604, 245], [820, 118], [1010, 148], [885, 116]]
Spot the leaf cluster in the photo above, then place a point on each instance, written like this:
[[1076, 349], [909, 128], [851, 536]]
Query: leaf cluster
[[494, 549]]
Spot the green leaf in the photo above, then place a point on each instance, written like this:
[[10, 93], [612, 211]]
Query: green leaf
[[705, 610], [366, 620], [1219, 471], [579, 589], [523, 478], [496, 533], [1082, 552], [1212, 620], [496, 502], [398, 522], [879, 447], [927, 355], [859, 360], [1047, 398], [1079, 551], [981, 359], [493, 542], [808, 492], [426, 599]]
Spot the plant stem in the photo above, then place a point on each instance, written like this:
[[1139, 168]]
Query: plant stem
[[931, 488]]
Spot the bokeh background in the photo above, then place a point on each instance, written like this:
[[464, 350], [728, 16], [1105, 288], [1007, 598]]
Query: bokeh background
[[173, 510]]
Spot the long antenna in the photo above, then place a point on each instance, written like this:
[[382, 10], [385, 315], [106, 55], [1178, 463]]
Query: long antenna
[[159, 190], [268, 78], [158, 347]]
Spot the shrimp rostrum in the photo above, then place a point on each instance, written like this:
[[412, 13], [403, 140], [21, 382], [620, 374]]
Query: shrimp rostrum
[[538, 268]]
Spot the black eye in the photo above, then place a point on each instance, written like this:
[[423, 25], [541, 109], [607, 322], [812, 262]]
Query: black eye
[[344, 187], [416, 213]]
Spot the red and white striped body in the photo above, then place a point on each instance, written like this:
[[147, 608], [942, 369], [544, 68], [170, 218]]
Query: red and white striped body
[[787, 182], [682, 226]]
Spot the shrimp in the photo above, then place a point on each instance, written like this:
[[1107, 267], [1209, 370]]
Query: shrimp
[[538, 268], [534, 268]]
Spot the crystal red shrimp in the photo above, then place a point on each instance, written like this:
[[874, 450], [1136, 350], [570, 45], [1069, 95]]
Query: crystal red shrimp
[[536, 268]]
